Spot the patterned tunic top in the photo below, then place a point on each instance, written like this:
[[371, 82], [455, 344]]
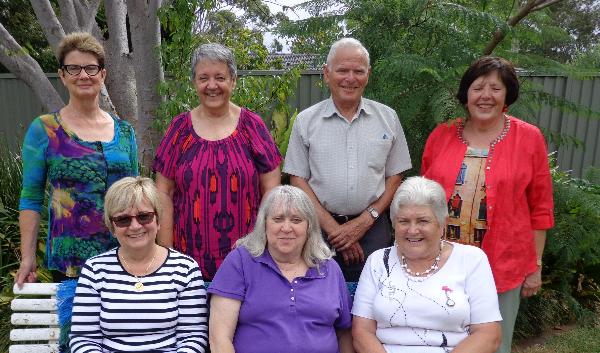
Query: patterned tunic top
[[217, 189], [169, 315], [79, 173]]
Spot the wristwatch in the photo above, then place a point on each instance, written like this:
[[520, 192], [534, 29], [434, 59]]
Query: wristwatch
[[373, 212]]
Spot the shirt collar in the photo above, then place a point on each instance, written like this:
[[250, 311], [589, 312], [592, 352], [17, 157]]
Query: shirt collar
[[330, 109], [312, 272]]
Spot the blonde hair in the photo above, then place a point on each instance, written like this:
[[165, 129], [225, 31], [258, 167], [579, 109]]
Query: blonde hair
[[83, 42], [129, 192], [288, 198]]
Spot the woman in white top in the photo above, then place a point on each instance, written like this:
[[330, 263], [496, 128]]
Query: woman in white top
[[138, 297], [425, 295]]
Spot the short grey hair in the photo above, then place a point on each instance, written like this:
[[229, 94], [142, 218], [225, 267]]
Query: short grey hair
[[214, 52], [347, 43], [420, 191], [129, 192], [288, 199]]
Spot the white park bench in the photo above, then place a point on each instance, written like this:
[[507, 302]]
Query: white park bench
[[40, 317]]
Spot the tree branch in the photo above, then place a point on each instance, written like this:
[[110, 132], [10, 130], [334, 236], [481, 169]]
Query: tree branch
[[87, 14], [529, 7], [68, 17], [543, 3], [49, 22], [17, 61]]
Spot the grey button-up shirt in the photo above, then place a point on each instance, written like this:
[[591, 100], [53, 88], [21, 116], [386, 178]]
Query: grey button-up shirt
[[346, 163]]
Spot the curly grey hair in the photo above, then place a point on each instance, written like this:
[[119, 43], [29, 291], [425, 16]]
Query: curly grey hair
[[420, 191]]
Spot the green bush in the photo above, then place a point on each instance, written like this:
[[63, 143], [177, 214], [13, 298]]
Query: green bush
[[571, 271]]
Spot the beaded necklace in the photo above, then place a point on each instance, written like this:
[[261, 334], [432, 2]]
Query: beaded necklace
[[415, 276]]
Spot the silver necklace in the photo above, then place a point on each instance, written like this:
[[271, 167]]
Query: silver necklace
[[427, 273], [139, 286]]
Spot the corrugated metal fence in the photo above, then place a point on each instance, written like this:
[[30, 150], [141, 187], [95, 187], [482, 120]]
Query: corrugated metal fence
[[18, 106]]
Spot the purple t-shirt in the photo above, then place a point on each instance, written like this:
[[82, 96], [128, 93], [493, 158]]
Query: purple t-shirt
[[276, 315]]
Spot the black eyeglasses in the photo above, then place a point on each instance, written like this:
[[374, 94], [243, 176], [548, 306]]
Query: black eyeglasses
[[91, 70], [124, 221]]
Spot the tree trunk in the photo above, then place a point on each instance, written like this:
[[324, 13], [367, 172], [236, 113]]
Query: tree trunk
[[15, 59], [145, 39]]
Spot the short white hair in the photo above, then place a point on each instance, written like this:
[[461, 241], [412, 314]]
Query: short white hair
[[347, 43], [420, 191]]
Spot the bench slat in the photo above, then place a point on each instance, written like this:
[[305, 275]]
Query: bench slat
[[36, 288], [34, 334], [34, 348], [34, 319], [21, 304]]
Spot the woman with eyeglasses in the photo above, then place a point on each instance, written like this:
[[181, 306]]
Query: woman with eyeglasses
[[79, 150], [138, 297]]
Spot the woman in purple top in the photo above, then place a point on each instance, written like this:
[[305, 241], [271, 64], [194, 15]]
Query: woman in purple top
[[213, 165], [279, 290]]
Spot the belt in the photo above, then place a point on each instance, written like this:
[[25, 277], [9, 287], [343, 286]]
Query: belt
[[341, 218]]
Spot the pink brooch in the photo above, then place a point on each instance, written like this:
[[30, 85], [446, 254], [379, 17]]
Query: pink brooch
[[449, 301]]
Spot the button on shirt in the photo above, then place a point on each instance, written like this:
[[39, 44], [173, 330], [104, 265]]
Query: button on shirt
[[279, 316], [346, 163]]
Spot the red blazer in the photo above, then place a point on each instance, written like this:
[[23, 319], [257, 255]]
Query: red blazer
[[518, 190]]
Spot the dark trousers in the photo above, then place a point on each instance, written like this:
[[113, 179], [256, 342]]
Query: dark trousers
[[378, 237]]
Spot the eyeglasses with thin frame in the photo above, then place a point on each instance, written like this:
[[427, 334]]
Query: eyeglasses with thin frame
[[124, 221], [91, 70]]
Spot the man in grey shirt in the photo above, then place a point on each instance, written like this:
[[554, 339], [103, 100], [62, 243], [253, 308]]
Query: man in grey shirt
[[347, 153]]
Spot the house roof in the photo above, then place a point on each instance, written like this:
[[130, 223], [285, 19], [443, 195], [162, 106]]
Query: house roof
[[288, 60]]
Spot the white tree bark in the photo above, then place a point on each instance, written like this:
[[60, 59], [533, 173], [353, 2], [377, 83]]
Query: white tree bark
[[16, 59], [120, 79], [145, 40], [133, 74], [49, 22]]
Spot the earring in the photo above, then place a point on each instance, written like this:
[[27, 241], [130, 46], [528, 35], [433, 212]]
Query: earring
[[505, 108]]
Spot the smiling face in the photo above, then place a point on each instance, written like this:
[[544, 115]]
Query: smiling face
[[213, 83], [418, 232], [82, 86], [347, 76], [486, 97], [287, 233], [137, 237]]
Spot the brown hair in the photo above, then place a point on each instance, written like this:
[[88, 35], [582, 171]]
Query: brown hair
[[484, 66], [83, 42]]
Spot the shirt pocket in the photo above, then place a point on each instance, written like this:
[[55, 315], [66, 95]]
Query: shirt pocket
[[377, 153]]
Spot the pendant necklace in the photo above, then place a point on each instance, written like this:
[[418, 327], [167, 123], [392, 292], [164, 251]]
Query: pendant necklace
[[139, 286]]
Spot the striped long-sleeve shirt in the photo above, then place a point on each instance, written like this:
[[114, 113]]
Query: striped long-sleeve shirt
[[169, 315]]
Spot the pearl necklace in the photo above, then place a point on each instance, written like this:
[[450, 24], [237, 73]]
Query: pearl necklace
[[427, 273], [139, 286]]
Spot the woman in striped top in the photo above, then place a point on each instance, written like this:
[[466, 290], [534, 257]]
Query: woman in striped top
[[138, 297]]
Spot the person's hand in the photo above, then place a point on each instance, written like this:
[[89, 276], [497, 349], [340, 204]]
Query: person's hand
[[26, 272], [350, 232], [532, 283], [353, 254]]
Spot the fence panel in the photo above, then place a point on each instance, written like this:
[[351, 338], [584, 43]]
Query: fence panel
[[18, 107]]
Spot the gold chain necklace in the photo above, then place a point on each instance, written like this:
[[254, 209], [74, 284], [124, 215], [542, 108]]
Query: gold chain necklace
[[139, 286]]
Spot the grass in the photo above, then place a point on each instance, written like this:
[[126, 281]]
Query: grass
[[585, 339]]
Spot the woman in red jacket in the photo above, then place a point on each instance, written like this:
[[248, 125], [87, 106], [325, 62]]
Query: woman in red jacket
[[494, 169]]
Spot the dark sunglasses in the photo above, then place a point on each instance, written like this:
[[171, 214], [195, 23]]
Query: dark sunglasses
[[91, 70], [125, 221]]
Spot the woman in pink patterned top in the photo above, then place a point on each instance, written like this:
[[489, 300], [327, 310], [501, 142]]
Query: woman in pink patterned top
[[213, 166]]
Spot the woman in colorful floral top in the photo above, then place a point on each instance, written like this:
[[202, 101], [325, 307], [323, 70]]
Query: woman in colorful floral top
[[213, 166], [80, 151]]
